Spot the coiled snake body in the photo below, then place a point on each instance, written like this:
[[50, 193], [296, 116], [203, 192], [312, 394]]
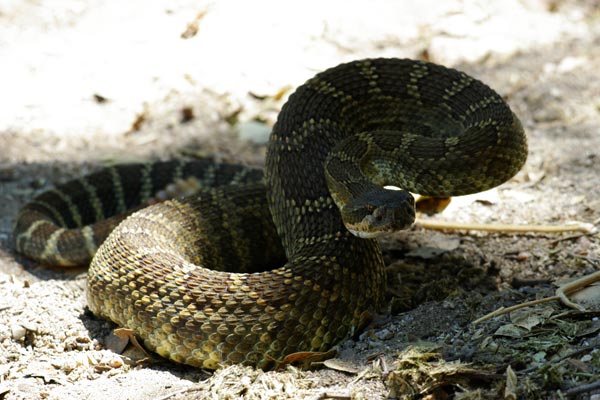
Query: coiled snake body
[[307, 276]]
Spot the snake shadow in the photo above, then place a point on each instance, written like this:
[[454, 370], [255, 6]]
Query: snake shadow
[[102, 332]]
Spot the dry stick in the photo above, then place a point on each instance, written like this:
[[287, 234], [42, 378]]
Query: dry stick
[[574, 286], [443, 225], [506, 310], [561, 294], [588, 387]]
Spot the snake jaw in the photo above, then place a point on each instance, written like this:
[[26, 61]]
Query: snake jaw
[[365, 235], [382, 213]]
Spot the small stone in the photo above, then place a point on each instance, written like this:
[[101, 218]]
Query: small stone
[[548, 114], [384, 334], [115, 362], [254, 131], [568, 64], [29, 326], [18, 332]]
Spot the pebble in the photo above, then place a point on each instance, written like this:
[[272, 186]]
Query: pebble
[[569, 63], [116, 362], [18, 332], [548, 114], [384, 334], [254, 131]]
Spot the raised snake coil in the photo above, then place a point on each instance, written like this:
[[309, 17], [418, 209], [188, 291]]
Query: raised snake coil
[[358, 126]]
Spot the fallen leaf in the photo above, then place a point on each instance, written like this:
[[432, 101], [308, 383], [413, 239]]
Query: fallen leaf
[[341, 365], [510, 390], [305, 359], [509, 330]]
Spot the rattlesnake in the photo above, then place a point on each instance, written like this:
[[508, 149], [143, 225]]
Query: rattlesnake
[[306, 280]]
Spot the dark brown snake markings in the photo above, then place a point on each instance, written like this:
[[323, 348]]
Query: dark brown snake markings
[[349, 130]]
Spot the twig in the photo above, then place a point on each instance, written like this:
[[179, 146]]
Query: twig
[[561, 294], [574, 286], [588, 387], [509, 228], [506, 310]]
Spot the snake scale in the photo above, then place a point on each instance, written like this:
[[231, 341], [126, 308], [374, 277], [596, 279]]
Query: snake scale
[[253, 267]]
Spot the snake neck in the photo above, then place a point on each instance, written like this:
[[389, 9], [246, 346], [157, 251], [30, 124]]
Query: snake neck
[[357, 174]]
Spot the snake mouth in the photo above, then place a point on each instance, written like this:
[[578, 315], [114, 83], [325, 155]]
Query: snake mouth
[[366, 235], [381, 222], [386, 218]]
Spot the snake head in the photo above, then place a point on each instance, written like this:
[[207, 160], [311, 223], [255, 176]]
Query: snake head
[[379, 212]]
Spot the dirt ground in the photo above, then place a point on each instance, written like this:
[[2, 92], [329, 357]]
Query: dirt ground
[[86, 83]]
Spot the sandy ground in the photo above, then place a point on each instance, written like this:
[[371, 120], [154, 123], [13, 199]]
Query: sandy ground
[[90, 82]]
